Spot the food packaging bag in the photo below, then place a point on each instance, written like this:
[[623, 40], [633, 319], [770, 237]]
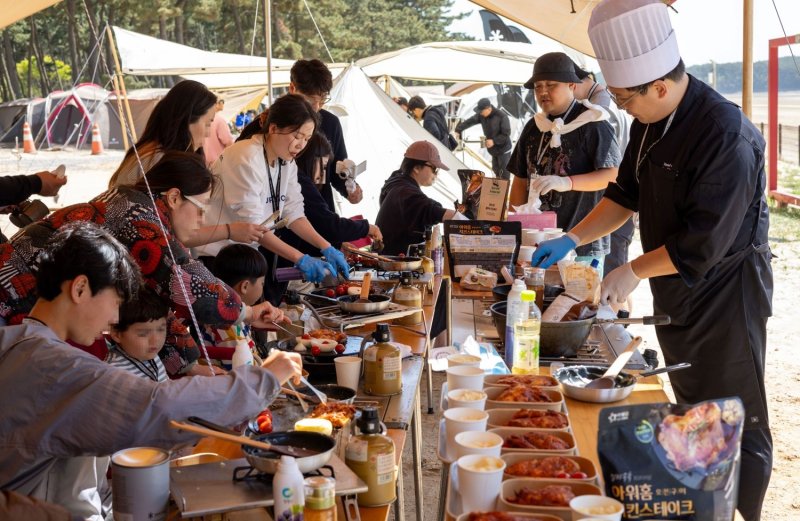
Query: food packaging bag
[[673, 461]]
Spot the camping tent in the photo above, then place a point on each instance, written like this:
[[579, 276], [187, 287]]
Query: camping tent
[[13, 114], [142, 103], [377, 131], [70, 114]]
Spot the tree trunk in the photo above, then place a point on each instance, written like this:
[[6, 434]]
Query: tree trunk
[[180, 6], [44, 81], [237, 22], [11, 66], [162, 25], [73, 40]]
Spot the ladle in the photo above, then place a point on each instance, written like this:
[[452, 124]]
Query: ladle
[[608, 380]]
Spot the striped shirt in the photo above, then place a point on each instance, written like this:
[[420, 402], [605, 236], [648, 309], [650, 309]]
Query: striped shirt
[[152, 369]]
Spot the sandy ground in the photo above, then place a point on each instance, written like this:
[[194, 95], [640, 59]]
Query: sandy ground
[[88, 176]]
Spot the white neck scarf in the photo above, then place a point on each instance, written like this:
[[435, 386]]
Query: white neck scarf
[[557, 127]]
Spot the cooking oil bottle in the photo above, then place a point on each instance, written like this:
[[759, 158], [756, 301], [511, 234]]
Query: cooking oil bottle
[[382, 366], [371, 456], [407, 295], [526, 337]]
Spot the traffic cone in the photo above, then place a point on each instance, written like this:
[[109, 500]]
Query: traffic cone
[[28, 146], [97, 141]]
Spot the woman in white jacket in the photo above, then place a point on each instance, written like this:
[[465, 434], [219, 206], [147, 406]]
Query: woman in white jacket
[[259, 177]]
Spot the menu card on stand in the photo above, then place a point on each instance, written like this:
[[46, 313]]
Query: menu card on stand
[[492, 204], [489, 245]]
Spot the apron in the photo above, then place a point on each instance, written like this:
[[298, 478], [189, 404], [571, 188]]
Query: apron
[[718, 324]]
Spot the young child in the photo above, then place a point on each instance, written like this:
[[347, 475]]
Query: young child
[[244, 269], [139, 335]]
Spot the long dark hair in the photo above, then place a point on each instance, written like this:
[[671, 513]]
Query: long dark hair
[[290, 112], [317, 148], [185, 171], [168, 125]]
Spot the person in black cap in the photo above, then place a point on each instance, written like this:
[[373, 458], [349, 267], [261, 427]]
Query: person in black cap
[[434, 120], [497, 130], [566, 154]]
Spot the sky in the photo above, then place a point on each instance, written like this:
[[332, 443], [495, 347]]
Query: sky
[[706, 29]]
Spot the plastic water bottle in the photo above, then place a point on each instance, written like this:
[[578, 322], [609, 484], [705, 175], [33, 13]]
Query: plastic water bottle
[[288, 490], [242, 354], [514, 312], [526, 337]]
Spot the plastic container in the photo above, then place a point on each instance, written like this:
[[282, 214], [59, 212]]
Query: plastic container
[[320, 499], [514, 312], [242, 354], [407, 295], [288, 490], [371, 455], [526, 336]]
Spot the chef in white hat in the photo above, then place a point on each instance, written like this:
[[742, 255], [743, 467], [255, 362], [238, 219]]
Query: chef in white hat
[[694, 170]]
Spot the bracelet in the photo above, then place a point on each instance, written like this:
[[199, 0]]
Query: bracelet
[[228, 226]]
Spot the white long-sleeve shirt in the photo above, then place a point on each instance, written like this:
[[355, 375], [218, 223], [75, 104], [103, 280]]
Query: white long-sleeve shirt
[[244, 191]]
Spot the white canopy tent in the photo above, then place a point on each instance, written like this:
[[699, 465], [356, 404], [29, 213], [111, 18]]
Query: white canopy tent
[[377, 130]]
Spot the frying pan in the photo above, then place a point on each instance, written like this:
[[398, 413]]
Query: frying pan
[[574, 378], [350, 304], [390, 262]]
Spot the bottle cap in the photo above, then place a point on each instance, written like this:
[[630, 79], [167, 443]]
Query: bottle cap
[[320, 492], [405, 278], [369, 422], [528, 296], [287, 463], [381, 333]]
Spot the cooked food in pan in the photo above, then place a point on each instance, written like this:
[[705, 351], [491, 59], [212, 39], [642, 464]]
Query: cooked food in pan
[[527, 379], [328, 334], [523, 393], [536, 419], [339, 414], [535, 440], [549, 496], [549, 467]]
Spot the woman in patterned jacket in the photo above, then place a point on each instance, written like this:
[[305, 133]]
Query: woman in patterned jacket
[[181, 186]]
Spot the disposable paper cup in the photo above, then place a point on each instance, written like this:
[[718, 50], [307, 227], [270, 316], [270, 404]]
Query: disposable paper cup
[[461, 419], [479, 480], [525, 253], [141, 483], [462, 359], [348, 370], [469, 398], [464, 377], [595, 507], [528, 237], [480, 443]]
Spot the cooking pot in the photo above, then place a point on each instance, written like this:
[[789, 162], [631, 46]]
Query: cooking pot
[[500, 293], [573, 380], [267, 461]]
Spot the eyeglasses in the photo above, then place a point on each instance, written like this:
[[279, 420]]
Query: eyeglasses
[[433, 168], [620, 103], [318, 99], [200, 206]]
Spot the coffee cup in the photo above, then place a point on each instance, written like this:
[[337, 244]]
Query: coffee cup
[[462, 419], [464, 377], [479, 480], [469, 398], [348, 371], [596, 507], [478, 442], [463, 359]]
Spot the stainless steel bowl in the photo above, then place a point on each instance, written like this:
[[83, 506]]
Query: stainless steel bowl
[[573, 380]]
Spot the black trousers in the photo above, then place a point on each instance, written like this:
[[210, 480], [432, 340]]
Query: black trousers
[[755, 472], [499, 164]]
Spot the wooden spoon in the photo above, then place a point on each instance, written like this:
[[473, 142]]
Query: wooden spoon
[[364, 298], [288, 450]]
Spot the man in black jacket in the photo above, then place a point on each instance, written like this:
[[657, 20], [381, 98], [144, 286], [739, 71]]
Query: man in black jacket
[[497, 130], [434, 120]]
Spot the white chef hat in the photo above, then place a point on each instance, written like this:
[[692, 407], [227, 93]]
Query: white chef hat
[[633, 40]]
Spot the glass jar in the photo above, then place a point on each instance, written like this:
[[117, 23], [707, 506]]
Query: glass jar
[[320, 499]]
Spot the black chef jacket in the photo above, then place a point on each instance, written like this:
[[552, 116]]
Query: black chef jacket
[[698, 182]]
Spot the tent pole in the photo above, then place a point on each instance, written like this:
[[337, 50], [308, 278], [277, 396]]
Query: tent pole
[[747, 59], [122, 90], [120, 111], [386, 85], [268, 40]]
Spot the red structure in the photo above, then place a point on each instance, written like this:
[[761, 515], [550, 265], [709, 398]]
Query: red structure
[[772, 121]]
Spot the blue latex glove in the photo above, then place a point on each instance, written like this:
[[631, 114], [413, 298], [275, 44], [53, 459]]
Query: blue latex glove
[[336, 259], [552, 251], [314, 270]]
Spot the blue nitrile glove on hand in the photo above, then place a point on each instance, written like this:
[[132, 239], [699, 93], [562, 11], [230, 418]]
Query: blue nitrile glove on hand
[[314, 270], [552, 251], [336, 259]]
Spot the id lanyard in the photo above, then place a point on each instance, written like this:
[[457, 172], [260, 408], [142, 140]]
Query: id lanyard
[[276, 196], [639, 156]]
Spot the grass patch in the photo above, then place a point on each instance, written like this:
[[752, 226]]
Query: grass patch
[[788, 177], [784, 224]]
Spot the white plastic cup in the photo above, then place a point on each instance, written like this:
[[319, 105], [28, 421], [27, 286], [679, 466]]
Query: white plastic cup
[[583, 507], [479, 480], [478, 442], [529, 237], [463, 359], [464, 377], [468, 398], [538, 238], [141, 483], [348, 371], [461, 419], [525, 254]]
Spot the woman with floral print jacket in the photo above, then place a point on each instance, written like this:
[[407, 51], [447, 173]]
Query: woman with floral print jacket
[[181, 185]]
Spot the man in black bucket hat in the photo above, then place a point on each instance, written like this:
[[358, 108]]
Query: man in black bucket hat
[[567, 154], [497, 130]]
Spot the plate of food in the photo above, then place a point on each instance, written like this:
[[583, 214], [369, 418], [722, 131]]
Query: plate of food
[[523, 397], [545, 497], [506, 380], [532, 440], [534, 466], [544, 419]]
